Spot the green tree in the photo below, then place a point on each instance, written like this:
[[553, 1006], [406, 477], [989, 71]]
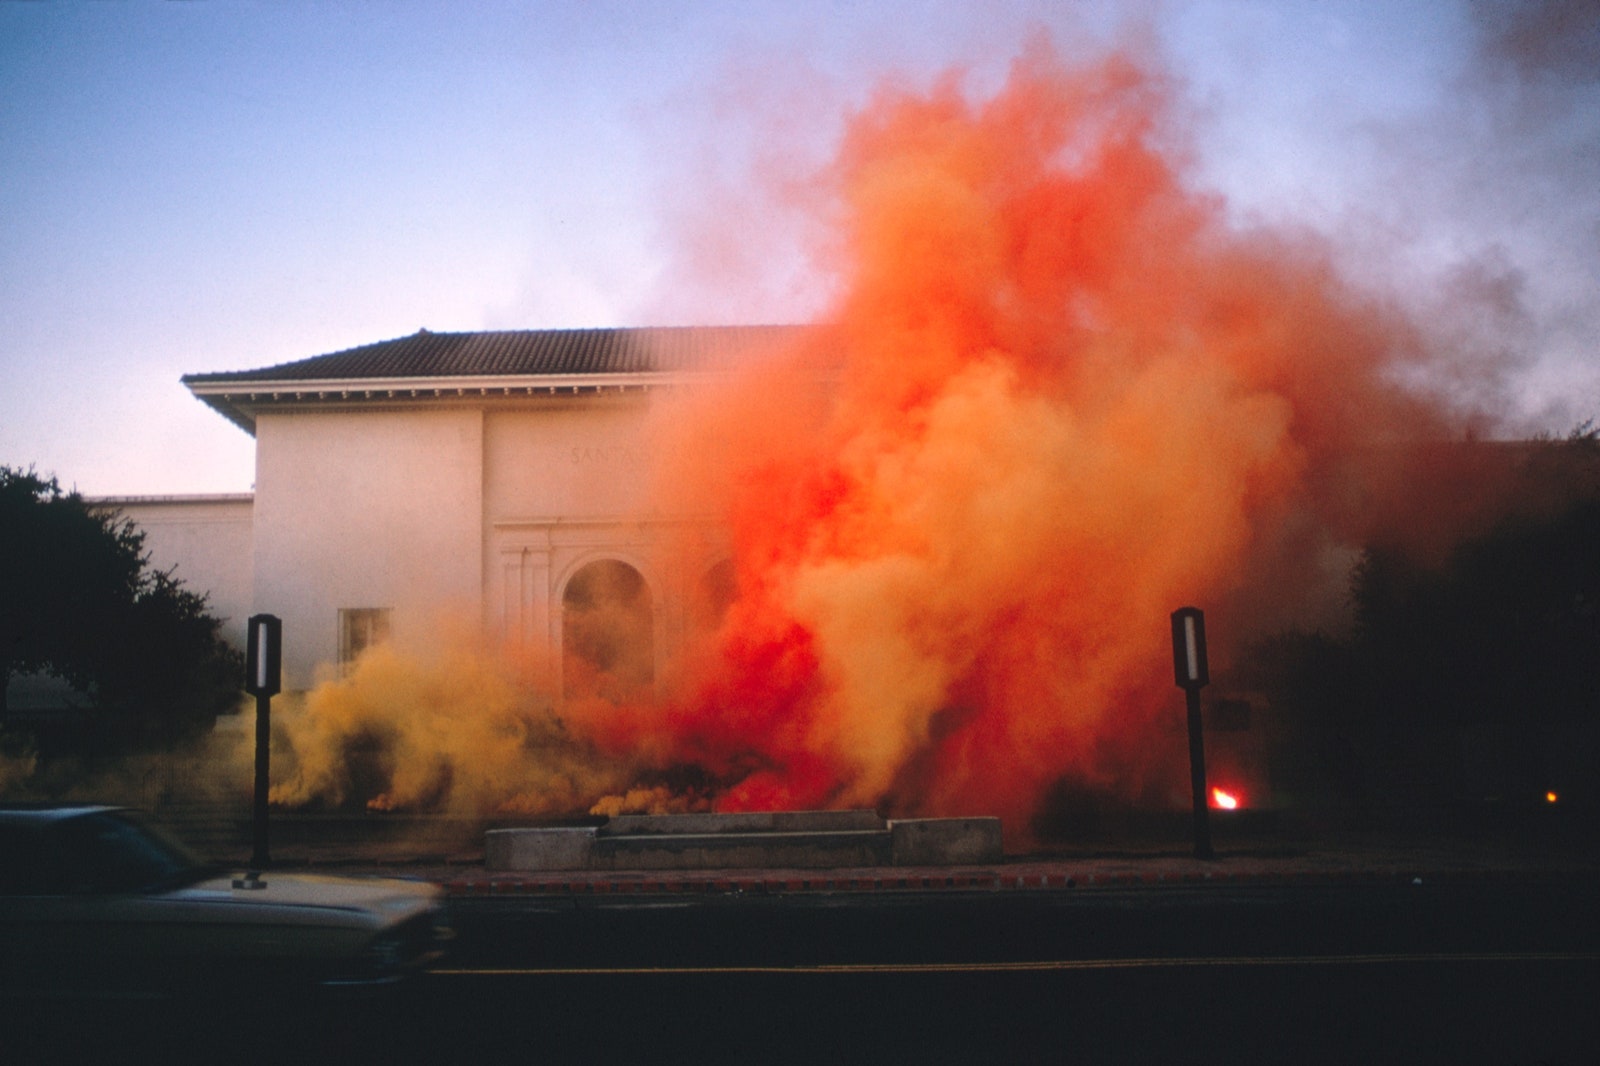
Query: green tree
[[1475, 677], [79, 601]]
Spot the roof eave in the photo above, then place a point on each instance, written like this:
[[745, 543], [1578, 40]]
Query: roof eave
[[461, 383], [236, 399], [222, 403]]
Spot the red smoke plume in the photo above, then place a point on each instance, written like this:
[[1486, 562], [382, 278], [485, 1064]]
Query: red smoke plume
[[1059, 396], [1069, 399]]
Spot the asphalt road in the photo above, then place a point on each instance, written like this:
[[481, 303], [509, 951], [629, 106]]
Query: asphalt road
[[744, 929], [1407, 1009], [1504, 970]]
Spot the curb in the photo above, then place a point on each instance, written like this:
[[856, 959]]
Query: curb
[[492, 885]]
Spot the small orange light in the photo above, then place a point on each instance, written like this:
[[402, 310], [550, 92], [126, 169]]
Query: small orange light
[[1550, 797], [1226, 801]]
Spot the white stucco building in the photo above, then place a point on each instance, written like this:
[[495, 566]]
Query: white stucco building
[[205, 541], [497, 475]]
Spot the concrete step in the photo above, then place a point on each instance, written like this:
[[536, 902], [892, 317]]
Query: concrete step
[[736, 850], [744, 822], [771, 840]]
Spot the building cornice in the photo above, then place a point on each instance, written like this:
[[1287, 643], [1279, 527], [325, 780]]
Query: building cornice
[[241, 401], [179, 499]]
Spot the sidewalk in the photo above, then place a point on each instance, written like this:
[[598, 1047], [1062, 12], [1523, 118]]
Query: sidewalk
[[1331, 858]]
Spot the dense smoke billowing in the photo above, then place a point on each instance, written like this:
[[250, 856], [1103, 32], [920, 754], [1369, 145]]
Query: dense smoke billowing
[[1065, 395]]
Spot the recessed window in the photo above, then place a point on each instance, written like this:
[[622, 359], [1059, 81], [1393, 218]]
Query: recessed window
[[359, 629], [718, 588]]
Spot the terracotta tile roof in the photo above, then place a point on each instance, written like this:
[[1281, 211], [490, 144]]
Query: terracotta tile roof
[[500, 364], [511, 353]]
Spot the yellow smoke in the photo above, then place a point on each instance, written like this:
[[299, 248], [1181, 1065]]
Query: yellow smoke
[[458, 731]]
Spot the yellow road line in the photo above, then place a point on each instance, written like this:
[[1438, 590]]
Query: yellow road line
[[1020, 967]]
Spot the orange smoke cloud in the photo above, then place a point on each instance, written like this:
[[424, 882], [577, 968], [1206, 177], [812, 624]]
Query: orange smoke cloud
[[1059, 397], [1071, 399]]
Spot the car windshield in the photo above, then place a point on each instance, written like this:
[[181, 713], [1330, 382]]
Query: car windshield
[[116, 851]]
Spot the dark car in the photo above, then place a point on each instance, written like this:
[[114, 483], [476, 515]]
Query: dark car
[[96, 901]]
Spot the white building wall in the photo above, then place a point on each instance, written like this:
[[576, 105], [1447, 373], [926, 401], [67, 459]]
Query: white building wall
[[207, 543], [366, 509], [568, 483], [437, 513]]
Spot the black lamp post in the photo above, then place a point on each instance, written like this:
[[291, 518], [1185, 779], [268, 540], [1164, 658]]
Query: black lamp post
[[263, 674], [1192, 674]]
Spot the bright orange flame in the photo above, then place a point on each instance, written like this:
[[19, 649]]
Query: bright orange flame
[[1551, 797], [1226, 801]]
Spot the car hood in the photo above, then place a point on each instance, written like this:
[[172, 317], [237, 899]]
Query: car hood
[[389, 896]]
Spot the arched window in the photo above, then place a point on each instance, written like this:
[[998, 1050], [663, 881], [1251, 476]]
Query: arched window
[[607, 633]]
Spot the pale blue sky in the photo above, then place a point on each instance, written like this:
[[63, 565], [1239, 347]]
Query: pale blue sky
[[211, 185]]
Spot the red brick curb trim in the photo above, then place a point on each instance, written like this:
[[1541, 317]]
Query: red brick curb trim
[[1027, 881]]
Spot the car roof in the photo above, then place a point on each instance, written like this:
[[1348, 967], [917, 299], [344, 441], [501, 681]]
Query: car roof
[[42, 813]]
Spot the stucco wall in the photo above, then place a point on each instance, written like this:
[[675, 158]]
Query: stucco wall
[[567, 484], [579, 458], [206, 541], [482, 513], [366, 509]]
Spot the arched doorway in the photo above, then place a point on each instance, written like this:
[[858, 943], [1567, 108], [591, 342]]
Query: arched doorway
[[607, 633]]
